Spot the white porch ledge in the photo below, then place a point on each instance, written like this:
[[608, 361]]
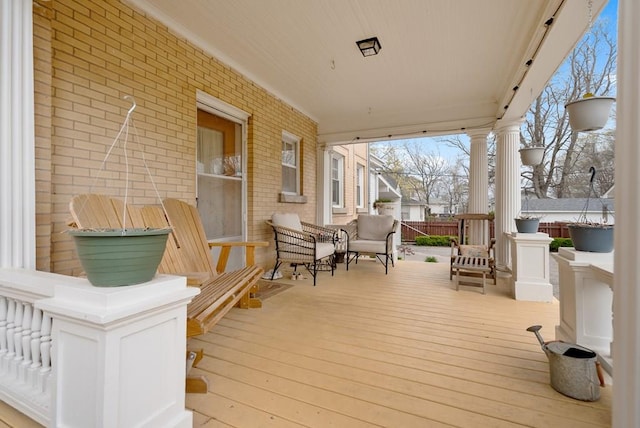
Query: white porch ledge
[[586, 299], [75, 355]]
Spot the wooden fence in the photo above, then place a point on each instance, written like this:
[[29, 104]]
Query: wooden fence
[[412, 229]]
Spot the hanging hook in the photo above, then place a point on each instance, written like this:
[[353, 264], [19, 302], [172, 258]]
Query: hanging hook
[[592, 170], [133, 100]]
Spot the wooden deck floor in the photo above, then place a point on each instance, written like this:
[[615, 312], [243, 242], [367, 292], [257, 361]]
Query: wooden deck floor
[[402, 350], [365, 349]]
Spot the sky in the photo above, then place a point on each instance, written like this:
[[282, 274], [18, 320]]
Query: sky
[[610, 13]]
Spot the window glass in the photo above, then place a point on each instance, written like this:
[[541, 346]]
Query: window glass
[[337, 179], [290, 164]]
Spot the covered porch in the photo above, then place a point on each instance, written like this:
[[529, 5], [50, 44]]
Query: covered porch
[[497, 348], [364, 349]]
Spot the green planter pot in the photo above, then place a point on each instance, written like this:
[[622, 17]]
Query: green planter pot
[[116, 257], [594, 239], [527, 225]]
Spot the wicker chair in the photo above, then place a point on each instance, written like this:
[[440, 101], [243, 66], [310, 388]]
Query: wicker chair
[[301, 243], [371, 235]]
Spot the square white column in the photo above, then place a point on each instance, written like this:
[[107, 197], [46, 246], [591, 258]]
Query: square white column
[[530, 266], [586, 314], [119, 354]]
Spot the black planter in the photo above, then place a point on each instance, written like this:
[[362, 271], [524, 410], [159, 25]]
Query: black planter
[[592, 238], [527, 225]]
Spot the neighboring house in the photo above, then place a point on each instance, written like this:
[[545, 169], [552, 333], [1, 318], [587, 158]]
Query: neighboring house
[[570, 209], [350, 182], [413, 210]]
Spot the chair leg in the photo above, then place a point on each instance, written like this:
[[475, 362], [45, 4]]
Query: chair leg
[[484, 281], [275, 269]]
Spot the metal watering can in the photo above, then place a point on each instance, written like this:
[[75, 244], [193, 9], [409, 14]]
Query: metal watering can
[[574, 369]]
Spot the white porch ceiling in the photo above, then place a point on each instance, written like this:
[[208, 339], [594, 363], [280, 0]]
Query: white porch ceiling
[[445, 65]]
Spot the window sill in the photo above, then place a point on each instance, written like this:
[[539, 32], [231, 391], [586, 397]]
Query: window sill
[[339, 210], [292, 199]]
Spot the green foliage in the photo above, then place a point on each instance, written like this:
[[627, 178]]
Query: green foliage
[[560, 242], [434, 241], [431, 259]]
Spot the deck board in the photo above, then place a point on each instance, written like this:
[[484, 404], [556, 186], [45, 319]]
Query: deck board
[[406, 349]]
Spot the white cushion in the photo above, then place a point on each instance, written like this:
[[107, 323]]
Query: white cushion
[[374, 227], [367, 246], [324, 249], [290, 220]]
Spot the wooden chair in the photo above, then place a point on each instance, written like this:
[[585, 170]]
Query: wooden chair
[[187, 254], [473, 259], [302, 243], [372, 235]]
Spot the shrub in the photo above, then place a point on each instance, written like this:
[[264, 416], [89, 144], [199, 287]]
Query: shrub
[[433, 241], [431, 259], [560, 242]]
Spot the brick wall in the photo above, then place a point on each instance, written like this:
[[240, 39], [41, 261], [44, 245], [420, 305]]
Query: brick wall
[[42, 122], [104, 50]]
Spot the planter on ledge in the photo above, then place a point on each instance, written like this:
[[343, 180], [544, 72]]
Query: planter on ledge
[[594, 238], [527, 225], [116, 257], [589, 113]]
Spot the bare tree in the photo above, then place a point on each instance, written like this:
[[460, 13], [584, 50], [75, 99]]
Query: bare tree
[[428, 169], [588, 69]]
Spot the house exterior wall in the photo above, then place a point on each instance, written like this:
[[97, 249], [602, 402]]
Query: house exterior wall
[[354, 155], [100, 51]]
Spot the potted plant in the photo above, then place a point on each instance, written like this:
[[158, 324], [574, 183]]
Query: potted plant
[[527, 223], [123, 255], [384, 206], [531, 156], [591, 236], [589, 113], [116, 257]]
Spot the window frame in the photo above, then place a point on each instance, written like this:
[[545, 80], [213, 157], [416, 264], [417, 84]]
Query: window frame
[[360, 190], [290, 139], [339, 202]]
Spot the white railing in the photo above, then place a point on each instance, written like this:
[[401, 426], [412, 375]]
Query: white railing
[[25, 346], [70, 352]]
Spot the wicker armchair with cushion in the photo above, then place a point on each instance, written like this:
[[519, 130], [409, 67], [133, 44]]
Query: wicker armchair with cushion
[[301, 243], [371, 235]]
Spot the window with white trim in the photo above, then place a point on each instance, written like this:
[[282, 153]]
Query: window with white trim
[[359, 186], [290, 164], [337, 180]]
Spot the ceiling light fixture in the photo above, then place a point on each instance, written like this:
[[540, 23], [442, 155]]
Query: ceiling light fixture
[[369, 47]]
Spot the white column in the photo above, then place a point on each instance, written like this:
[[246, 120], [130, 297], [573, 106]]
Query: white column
[[17, 154], [478, 180], [626, 296], [585, 302], [323, 185], [119, 353], [507, 187], [530, 266]]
